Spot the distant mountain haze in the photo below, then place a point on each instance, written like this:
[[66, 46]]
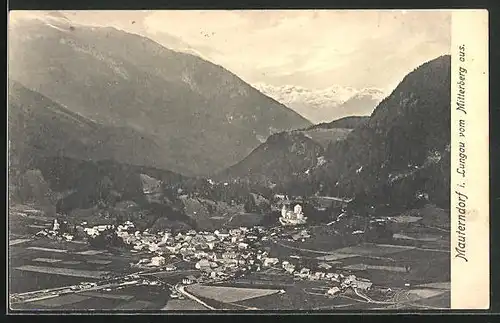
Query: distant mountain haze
[[179, 112], [328, 104]]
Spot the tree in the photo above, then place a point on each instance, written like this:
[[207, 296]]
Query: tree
[[249, 204], [106, 239]]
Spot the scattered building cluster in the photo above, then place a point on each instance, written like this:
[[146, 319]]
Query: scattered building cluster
[[97, 230], [59, 230], [346, 282], [224, 254], [216, 255]]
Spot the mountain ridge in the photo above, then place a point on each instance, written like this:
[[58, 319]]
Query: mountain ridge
[[398, 143], [350, 122], [203, 116]]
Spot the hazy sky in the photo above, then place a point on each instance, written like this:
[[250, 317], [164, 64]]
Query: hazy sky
[[314, 48]]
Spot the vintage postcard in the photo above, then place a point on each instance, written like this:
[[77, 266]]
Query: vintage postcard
[[248, 160]]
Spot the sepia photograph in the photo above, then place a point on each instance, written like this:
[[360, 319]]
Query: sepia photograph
[[247, 160]]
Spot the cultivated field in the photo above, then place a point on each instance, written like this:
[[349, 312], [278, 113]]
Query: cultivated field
[[229, 294]]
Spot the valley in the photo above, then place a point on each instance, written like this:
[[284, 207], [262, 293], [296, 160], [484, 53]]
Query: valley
[[278, 268], [141, 178]]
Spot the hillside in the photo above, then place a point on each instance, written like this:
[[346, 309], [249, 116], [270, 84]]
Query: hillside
[[290, 155], [187, 115], [63, 161], [39, 126], [407, 137], [398, 155], [328, 133], [283, 157], [342, 123]]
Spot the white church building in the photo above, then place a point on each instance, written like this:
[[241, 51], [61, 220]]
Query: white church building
[[295, 217]]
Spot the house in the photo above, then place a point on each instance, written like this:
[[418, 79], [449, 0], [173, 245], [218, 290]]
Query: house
[[41, 233], [198, 239], [166, 237], [235, 232], [305, 270], [153, 247], [103, 227], [158, 261], [173, 249], [294, 217], [332, 277], [200, 254], [56, 225], [202, 264], [91, 232], [270, 261], [210, 238], [139, 246], [68, 237], [229, 255], [143, 261], [333, 291], [319, 274], [362, 284], [222, 234], [288, 267], [299, 275]]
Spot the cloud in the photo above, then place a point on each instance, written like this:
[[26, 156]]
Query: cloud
[[313, 48]]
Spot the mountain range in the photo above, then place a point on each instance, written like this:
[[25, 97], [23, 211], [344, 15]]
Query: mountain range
[[175, 111], [325, 105], [400, 151], [92, 111]]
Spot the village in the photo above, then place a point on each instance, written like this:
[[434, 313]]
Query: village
[[292, 258], [216, 256]]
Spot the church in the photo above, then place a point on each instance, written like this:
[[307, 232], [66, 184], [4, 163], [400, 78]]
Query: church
[[295, 217]]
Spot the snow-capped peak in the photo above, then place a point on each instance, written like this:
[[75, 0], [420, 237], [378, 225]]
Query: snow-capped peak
[[318, 105]]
